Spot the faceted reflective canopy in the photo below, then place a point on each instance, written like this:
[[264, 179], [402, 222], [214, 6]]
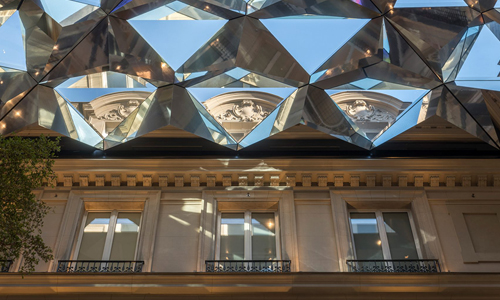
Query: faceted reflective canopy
[[237, 72]]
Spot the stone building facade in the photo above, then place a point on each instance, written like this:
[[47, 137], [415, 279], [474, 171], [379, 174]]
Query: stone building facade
[[250, 149]]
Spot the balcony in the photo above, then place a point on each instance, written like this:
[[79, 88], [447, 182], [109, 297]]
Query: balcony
[[99, 266], [247, 266], [5, 265], [394, 266]]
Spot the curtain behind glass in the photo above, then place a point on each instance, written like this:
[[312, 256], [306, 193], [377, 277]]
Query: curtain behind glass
[[263, 236], [232, 236], [125, 237], [400, 236], [94, 236], [366, 236]]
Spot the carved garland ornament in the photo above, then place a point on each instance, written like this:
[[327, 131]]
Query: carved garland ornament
[[246, 111]]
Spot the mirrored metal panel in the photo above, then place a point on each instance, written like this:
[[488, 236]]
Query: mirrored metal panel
[[236, 72], [170, 106]]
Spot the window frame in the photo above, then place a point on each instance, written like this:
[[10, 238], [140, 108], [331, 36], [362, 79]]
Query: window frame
[[386, 251], [248, 233], [113, 219]]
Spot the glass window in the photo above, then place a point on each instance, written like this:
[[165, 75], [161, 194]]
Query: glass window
[[248, 236], [263, 236], [400, 236], [366, 236], [94, 236], [383, 235], [125, 237], [109, 236], [232, 236]]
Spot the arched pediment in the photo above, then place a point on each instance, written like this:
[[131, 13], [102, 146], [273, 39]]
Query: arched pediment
[[242, 106], [371, 111], [106, 112], [239, 112]]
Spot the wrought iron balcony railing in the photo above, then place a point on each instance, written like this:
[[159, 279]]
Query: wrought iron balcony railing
[[394, 266], [99, 266], [257, 266], [5, 265]]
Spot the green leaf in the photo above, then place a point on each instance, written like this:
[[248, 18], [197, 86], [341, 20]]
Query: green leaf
[[25, 165]]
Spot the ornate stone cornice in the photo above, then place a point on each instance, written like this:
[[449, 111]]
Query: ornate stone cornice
[[358, 180], [398, 173]]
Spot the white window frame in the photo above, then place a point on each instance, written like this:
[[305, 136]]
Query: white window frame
[[382, 232], [110, 234], [248, 232]]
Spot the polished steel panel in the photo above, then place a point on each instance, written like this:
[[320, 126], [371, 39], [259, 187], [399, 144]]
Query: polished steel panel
[[360, 51], [384, 5], [129, 53], [64, 56], [481, 5], [434, 32], [312, 107], [48, 40], [170, 105], [474, 102], [14, 85], [341, 8], [44, 107]]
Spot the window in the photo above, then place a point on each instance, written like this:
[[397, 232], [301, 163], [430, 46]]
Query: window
[[109, 236], [248, 236], [384, 235]]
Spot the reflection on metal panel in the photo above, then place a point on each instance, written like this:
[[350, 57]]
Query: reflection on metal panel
[[106, 72]]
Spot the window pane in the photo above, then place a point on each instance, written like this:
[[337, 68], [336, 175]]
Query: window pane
[[263, 236], [366, 237], [94, 236], [401, 241], [125, 238], [232, 237]]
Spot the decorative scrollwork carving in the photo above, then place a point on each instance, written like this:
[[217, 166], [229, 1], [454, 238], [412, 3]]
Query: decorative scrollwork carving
[[245, 111], [121, 111], [359, 110]]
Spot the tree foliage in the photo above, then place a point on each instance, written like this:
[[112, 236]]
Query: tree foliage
[[25, 164]]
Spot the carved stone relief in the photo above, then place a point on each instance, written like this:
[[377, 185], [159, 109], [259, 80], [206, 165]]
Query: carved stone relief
[[122, 111], [227, 180], [306, 179], [403, 181], [147, 180], [84, 180], [179, 181], [371, 111], [259, 180], [106, 112], [243, 180], [354, 180], [131, 180], [239, 112], [245, 111], [195, 181], [419, 181], [99, 180], [211, 180], [163, 180], [359, 110]]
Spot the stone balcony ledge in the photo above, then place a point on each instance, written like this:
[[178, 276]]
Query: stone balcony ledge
[[285, 285]]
